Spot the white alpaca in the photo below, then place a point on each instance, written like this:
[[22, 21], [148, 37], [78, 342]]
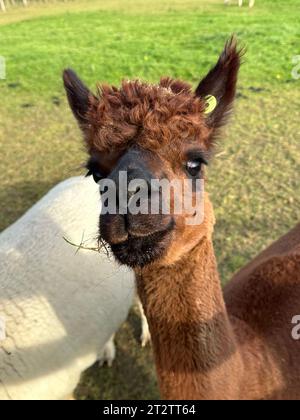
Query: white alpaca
[[145, 335], [59, 307], [251, 2]]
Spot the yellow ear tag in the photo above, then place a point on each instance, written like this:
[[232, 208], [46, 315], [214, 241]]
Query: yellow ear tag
[[210, 104]]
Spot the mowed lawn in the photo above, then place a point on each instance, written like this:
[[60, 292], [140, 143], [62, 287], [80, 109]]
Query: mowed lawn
[[254, 178]]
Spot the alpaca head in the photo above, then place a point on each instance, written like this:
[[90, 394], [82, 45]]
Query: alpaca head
[[162, 132]]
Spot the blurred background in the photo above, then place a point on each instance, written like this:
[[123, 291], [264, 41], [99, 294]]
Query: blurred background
[[254, 178]]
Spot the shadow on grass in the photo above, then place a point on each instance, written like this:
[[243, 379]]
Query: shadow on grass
[[17, 198], [132, 375]]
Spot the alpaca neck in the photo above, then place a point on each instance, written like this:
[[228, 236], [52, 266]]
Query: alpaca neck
[[192, 338]]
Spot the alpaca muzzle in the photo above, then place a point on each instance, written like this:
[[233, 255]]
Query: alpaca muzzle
[[132, 221]]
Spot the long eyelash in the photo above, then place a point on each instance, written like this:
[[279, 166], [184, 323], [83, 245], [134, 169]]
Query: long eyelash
[[198, 156], [89, 167], [92, 166], [203, 161]]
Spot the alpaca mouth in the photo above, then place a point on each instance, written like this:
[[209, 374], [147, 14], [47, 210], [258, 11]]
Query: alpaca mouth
[[140, 251]]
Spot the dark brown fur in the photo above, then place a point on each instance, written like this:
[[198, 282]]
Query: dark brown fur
[[205, 346]]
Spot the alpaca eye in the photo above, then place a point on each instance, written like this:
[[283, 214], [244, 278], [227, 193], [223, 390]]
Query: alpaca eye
[[96, 175], [193, 167]]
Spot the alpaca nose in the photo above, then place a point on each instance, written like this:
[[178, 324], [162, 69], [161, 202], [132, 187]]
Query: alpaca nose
[[138, 182], [138, 210], [139, 178], [131, 182]]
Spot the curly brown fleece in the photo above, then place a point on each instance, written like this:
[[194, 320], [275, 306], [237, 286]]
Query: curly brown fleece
[[151, 115]]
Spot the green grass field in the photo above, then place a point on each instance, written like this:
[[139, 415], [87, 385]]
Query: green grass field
[[253, 180]]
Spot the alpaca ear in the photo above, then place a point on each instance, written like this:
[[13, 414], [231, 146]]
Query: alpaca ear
[[79, 96], [219, 86]]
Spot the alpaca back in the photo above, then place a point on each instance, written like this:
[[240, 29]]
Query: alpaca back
[[60, 306], [262, 300]]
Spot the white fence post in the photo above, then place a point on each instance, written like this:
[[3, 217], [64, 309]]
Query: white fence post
[[2, 5]]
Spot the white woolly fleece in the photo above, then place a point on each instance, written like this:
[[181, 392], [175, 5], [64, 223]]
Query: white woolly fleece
[[60, 307]]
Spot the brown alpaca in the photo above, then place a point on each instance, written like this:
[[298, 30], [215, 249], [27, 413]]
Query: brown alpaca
[[205, 346]]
